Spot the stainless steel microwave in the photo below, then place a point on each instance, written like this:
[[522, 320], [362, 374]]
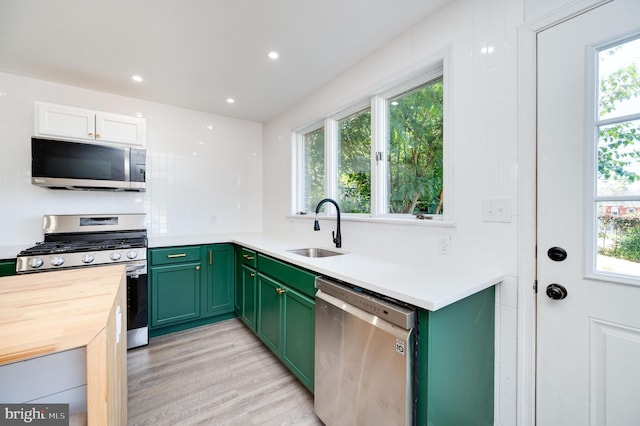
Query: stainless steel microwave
[[59, 164]]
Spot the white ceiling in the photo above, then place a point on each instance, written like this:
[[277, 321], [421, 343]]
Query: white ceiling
[[197, 53]]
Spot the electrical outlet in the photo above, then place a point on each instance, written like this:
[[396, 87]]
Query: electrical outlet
[[496, 210], [444, 244]]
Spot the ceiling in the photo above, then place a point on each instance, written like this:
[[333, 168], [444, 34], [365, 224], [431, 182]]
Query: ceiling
[[197, 53]]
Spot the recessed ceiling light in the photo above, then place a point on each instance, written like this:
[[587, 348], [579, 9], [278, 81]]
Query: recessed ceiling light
[[137, 78], [230, 100], [273, 55]]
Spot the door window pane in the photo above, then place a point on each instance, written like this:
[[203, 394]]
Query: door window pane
[[313, 169], [619, 237], [618, 160], [354, 163], [415, 151], [619, 80]]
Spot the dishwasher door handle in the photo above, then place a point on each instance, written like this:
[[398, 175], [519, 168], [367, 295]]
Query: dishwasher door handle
[[377, 322]]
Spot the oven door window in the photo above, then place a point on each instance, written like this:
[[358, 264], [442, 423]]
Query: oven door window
[[73, 160]]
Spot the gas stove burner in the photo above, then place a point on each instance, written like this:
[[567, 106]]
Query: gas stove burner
[[69, 242], [55, 247]]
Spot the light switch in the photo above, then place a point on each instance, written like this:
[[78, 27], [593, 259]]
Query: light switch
[[496, 210]]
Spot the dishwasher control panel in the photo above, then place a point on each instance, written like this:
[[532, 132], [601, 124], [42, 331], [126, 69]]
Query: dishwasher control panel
[[396, 314]]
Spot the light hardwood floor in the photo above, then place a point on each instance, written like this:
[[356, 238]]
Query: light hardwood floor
[[219, 374]]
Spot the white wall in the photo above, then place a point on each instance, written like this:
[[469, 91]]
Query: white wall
[[199, 180], [483, 136]]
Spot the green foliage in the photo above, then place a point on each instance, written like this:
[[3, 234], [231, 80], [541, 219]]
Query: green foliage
[[630, 245], [354, 169], [625, 238], [616, 147], [416, 150]]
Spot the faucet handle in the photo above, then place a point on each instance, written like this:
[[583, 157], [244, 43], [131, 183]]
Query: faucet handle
[[337, 241]]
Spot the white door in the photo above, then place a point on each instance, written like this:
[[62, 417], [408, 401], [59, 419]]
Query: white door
[[588, 343]]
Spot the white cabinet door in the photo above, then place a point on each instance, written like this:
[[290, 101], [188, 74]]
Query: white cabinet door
[[63, 121], [66, 122], [120, 129]]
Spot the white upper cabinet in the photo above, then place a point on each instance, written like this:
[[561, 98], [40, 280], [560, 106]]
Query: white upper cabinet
[[65, 122], [120, 128]]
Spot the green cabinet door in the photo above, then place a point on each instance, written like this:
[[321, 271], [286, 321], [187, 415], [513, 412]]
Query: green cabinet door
[[175, 293], [269, 313], [238, 293], [298, 336], [218, 287], [248, 303], [7, 267]]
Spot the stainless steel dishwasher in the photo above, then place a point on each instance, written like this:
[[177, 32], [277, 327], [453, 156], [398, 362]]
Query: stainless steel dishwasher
[[364, 356]]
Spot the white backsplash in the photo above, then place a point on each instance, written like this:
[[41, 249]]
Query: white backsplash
[[204, 172]]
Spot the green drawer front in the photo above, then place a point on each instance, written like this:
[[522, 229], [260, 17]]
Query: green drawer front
[[248, 257], [171, 255], [289, 275]]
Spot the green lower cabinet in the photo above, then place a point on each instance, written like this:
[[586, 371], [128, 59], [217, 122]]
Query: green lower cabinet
[[298, 340], [248, 287], [270, 312], [190, 286], [286, 317], [456, 362], [7, 267], [175, 293], [218, 287]]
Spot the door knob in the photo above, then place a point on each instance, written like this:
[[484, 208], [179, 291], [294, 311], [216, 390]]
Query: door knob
[[556, 291]]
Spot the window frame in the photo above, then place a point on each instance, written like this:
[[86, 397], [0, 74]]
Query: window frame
[[593, 123], [431, 70]]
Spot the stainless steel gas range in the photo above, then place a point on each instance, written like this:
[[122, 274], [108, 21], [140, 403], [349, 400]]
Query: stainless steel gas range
[[80, 241]]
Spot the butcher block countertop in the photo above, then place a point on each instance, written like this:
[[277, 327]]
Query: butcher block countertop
[[55, 311], [49, 312]]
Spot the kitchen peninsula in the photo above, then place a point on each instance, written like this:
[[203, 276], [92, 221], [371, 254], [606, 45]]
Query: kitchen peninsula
[[42, 315]]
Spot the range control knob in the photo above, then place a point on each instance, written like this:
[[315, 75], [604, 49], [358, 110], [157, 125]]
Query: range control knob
[[132, 254], [87, 258], [57, 261], [115, 256], [36, 262]]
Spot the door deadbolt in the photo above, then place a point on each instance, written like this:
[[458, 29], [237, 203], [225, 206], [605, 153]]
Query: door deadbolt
[[556, 291], [557, 254]]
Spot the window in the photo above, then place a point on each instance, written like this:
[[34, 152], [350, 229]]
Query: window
[[617, 159], [313, 172], [415, 151], [354, 163], [381, 159]]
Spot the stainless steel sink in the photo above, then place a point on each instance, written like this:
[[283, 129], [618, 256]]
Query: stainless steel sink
[[315, 252]]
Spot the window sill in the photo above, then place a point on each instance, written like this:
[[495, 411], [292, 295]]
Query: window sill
[[431, 223]]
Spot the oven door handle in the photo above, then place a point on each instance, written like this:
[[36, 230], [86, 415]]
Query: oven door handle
[[133, 270]]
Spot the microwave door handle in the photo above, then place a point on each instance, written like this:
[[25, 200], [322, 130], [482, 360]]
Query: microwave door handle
[[127, 164]]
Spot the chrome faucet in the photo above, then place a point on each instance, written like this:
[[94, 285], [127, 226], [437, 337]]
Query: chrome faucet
[[337, 237]]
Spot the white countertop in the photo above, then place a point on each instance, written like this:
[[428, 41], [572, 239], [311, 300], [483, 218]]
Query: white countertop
[[432, 285]]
